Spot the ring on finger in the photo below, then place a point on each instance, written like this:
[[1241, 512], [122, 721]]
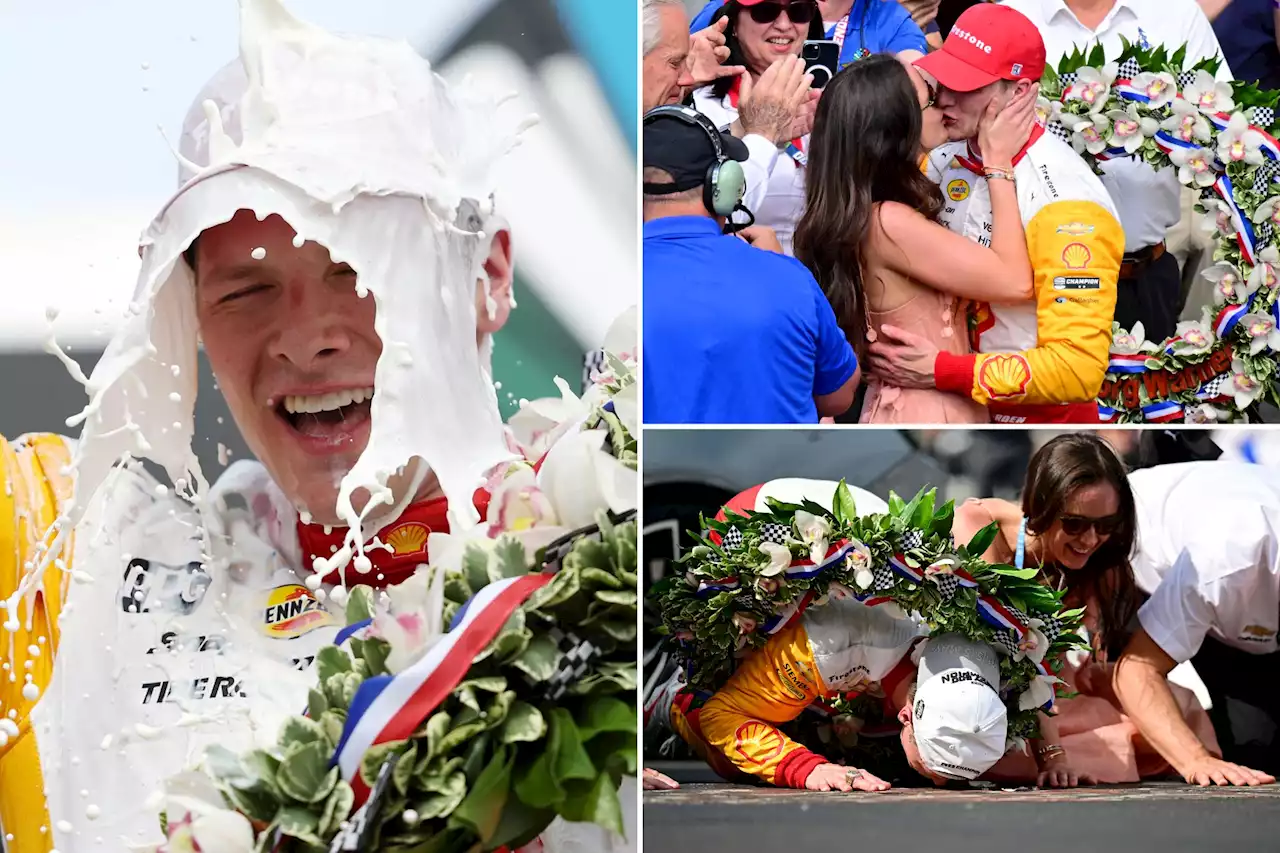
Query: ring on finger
[[852, 775]]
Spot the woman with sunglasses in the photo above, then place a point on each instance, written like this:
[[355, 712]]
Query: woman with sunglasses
[[870, 235], [1077, 523]]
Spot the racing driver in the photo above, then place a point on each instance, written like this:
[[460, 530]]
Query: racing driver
[[1035, 362]]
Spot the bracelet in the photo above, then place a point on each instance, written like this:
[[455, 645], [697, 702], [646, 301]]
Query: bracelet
[[1051, 750], [1000, 174]]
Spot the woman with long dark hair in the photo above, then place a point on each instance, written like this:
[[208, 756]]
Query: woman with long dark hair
[[870, 235], [1077, 523]]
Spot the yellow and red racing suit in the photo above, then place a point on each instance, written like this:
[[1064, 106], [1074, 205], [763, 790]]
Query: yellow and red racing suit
[[1040, 361], [840, 647]]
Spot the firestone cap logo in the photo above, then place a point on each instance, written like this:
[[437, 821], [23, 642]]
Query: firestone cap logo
[[981, 45]]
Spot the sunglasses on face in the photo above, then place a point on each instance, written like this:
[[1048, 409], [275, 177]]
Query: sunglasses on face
[[1075, 525], [933, 95], [801, 12]]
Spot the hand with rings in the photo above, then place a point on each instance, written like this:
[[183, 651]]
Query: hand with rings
[[834, 777]]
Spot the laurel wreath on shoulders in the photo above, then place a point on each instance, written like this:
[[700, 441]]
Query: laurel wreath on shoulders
[[752, 573]]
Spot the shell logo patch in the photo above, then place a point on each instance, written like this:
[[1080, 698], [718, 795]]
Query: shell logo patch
[[292, 611], [409, 538], [764, 741], [1005, 376], [1076, 256], [958, 190]]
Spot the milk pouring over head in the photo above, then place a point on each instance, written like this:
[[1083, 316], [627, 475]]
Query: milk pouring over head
[[361, 148]]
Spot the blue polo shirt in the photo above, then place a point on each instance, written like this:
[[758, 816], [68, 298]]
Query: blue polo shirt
[[880, 26], [1246, 31], [733, 334]]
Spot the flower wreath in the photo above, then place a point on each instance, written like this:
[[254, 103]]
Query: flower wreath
[[516, 650], [1222, 139], [751, 575]]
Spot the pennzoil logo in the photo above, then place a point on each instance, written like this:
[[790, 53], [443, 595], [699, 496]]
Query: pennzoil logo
[[758, 742], [292, 611], [958, 190], [408, 538], [1005, 376]]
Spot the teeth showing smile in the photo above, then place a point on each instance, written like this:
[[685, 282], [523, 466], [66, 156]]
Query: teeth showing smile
[[295, 404], [779, 40]]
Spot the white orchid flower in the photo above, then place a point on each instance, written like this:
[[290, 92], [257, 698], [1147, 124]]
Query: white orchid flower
[[199, 826], [1187, 123], [1269, 209], [1048, 111], [1129, 343], [813, 531], [1089, 133], [1208, 95], [1039, 692], [1093, 85], [621, 339], [540, 423], [779, 558], [1034, 644], [578, 477], [1218, 219], [1201, 414], [626, 407], [744, 623], [1195, 166], [864, 578], [1229, 285], [1263, 274], [518, 504], [1262, 332], [1238, 142], [411, 617], [1160, 87], [859, 559], [1241, 386], [1129, 128], [1192, 338], [942, 566]]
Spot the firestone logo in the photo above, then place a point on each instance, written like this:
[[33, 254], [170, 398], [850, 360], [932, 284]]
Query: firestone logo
[[970, 38]]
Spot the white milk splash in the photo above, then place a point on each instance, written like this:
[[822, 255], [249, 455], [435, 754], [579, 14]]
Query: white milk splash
[[360, 147]]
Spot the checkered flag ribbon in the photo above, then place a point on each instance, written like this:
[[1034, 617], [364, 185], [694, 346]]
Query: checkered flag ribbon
[[774, 532], [947, 585], [1266, 173], [1263, 117], [1052, 628], [1007, 641], [912, 539], [1067, 80], [1263, 231], [576, 655], [882, 577], [1059, 130], [1129, 69], [1022, 617], [1185, 79], [1213, 387], [732, 539]]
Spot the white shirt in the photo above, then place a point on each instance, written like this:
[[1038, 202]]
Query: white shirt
[[775, 182], [1208, 546], [1148, 200]]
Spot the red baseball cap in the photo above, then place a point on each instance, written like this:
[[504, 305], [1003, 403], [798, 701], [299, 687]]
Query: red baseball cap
[[988, 42]]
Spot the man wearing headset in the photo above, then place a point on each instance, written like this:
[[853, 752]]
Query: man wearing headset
[[732, 333]]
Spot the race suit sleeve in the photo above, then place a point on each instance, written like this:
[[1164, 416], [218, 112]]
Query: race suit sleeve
[[34, 491], [772, 686], [1076, 248]]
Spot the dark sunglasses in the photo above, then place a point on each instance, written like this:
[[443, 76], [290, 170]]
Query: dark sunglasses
[[1076, 525], [799, 12], [933, 95]]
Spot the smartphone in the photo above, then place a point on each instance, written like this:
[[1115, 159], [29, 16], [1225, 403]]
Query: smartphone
[[822, 60]]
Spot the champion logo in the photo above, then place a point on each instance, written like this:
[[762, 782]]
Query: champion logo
[[970, 38]]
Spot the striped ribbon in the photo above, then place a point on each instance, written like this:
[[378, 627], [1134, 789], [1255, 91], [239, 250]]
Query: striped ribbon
[[1229, 315], [1244, 228], [1128, 363], [899, 564], [390, 707], [1000, 616], [1107, 415], [804, 569], [1164, 412], [788, 614]]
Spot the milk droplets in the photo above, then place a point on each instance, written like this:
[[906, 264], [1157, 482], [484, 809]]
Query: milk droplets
[[258, 253], [30, 692]]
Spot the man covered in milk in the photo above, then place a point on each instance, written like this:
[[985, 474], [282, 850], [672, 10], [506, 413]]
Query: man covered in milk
[[335, 248]]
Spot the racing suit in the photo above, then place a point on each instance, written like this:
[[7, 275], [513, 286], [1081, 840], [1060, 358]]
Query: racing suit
[[162, 657], [1041, 361], [840, 647]]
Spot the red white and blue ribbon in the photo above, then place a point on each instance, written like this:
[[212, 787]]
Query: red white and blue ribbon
[[787, 615], [1244, 228], [706, 588], [1000, 616], [1164, 412], [1229, 315], [899, 564], [391, 707], [1107, 415], [804, 569], [964, 579], [1130, 92], [1128, 363]]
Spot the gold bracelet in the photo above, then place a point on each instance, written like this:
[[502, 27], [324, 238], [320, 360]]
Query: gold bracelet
[[1051, 750], [1001, 174]]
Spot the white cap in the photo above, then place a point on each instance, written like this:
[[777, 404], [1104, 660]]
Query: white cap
[[959, 720]]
